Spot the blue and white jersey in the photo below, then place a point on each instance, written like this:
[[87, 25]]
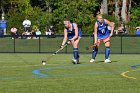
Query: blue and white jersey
[[3, 23], [71, 33], [102, 30]]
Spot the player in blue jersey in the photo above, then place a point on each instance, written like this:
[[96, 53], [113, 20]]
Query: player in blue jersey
[[101, 33], [73, 34]]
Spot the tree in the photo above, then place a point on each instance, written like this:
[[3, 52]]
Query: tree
[[104, 7], [79, 11], [117, 9], [2, 6], [53, 12]]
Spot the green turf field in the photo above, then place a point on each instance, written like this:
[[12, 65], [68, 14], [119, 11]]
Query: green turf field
[[23, 73]]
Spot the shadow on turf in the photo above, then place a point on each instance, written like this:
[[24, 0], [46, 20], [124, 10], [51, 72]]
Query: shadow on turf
[[103, 61]]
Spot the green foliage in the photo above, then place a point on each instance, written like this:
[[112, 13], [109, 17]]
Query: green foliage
[[15, 19], [111, 19], [53, 12], [79, 11], [25, 7], [134, 19], [36, 16]]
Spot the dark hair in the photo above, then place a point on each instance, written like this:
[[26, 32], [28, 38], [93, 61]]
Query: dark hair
[[66, 18], [12, 26]]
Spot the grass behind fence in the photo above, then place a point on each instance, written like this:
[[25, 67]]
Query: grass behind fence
[[118, 45]]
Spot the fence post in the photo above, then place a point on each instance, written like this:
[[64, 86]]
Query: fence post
[[14, 45], [121, 45], [66, 50], [39, 44]]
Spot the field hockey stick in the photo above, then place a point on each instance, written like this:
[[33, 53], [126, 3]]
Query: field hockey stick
[[91, 46], [44, 61], [95, 45], [60, 49]]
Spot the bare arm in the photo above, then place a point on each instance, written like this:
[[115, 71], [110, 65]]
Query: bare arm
[[65, 37], [111, 24], [95, 33]]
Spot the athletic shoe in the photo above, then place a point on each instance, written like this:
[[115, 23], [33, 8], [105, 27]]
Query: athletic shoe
[[78, 61], [107, 61], [92, 60], [75, 61], [43, 62]]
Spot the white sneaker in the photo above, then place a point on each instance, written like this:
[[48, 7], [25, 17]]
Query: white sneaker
[[74, 61], [107, 61], [92, 60]]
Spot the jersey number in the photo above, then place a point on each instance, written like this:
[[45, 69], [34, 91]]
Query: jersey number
[[103, 31]]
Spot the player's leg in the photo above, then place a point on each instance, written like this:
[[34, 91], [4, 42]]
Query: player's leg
[[76, 43], [107, 49], [75, 49], [94, 52], [4, 31]]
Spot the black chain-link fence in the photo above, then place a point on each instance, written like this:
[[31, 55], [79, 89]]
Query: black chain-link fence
[[44, 44]]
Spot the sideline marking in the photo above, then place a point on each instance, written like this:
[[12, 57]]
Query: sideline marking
[[38, 71], [135, 66], [124, 74]]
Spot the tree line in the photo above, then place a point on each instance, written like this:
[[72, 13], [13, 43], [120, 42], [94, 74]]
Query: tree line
[[44, 13]]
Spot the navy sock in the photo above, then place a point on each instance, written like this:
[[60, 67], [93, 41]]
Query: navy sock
[[107, 52], [94, 52], [75, 53]]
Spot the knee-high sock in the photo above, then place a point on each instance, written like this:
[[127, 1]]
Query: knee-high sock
[[107, 52], [94, 52], [75, 53]]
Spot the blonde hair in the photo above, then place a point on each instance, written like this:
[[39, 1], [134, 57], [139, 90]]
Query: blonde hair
[[99, 15]]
